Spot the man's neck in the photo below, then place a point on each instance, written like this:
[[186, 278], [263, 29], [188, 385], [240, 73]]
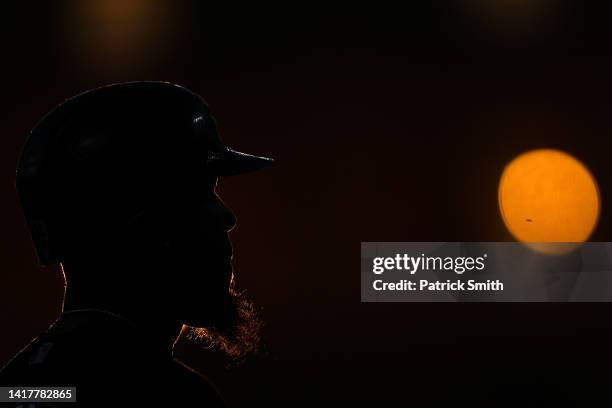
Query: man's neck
[[97, 291]]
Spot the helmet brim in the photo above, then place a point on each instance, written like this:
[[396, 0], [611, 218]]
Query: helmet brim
[[230, 162]]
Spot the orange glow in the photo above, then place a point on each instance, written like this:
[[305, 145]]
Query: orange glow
[[115, 36], [547, 195]]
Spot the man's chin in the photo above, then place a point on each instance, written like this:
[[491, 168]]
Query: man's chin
[[233, 329]]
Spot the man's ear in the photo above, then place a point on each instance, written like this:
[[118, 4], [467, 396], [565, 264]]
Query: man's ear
[[149, 228]]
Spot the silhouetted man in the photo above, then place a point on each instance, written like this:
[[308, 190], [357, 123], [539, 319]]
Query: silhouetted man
[[118, 187]]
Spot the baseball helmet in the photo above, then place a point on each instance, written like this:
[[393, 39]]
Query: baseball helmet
[[101, 157]]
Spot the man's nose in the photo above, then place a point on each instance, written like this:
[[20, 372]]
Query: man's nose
[[226, 216]]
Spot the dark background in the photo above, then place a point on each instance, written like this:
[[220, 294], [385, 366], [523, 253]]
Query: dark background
[[388, 123]]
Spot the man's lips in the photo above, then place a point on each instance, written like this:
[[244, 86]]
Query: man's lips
[[227, 248]]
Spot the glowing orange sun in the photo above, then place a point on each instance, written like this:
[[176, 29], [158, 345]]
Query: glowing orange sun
[[547, 195]]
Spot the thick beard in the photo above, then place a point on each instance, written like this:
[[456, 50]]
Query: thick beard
[[238, 339]]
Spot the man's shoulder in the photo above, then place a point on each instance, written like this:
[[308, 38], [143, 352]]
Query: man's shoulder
[[101, 353], [78, 343]]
